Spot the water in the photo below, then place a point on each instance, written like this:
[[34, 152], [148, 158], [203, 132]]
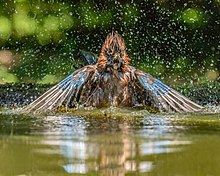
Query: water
[[150, 144]]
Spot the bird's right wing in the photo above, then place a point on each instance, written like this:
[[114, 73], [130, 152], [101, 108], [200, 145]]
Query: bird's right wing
[[62, 93], [167, 97]]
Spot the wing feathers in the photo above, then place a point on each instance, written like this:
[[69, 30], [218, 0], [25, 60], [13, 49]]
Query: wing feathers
[[166, 96], [72, 87], [62, 93]]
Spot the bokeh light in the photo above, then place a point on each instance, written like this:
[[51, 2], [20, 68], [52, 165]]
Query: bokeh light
[[5, 29], [192, 16], [163, 37]]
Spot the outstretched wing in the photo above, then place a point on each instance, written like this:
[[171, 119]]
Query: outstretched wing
[[62, 93], [167, 97]]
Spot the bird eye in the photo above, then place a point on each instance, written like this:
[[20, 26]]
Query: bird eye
[[108, 58], [107, 55]]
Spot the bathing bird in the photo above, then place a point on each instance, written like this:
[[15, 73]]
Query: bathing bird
[[112, 81]]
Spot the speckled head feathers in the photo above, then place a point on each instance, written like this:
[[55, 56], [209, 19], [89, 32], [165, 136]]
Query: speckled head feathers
[[114, 42], [113, 49]]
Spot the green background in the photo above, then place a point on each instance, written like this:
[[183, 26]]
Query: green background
[[176, 41]]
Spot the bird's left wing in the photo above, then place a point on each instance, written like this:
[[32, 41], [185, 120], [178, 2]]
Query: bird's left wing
[[89, 58], [62, 93], [168, 98]]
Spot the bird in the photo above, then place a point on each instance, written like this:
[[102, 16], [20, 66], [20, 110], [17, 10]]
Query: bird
[[112, 82]]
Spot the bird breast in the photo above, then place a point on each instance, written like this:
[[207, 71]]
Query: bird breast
[[112, 89]]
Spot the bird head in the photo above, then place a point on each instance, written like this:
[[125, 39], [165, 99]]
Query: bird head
[[113, 54]]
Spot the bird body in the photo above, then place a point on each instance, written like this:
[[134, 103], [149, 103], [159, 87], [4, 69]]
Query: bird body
[[112, 81]]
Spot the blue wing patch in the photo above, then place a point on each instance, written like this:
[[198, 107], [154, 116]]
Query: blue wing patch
[[168, 98], [61, 94]]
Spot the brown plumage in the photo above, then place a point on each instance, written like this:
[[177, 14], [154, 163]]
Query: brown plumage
[[112, 82], [114, 44]]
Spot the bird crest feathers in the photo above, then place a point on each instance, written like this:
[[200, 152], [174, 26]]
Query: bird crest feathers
[[113, 43]]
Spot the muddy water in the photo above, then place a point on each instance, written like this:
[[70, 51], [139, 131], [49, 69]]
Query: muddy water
[[141, 144]]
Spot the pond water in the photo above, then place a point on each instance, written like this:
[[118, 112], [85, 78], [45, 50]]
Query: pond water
[[150, 144]]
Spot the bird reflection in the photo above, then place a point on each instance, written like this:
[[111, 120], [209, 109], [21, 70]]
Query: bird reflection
[[112, 81], [118, 153], [104, 153]]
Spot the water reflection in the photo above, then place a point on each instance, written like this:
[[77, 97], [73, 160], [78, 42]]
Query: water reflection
[[112, 147], [60, 145]]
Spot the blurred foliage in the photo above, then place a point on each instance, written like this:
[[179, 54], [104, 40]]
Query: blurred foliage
[[6, 77], [174, 40]]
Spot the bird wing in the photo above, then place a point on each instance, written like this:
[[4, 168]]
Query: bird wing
[[167, 97], [62, 93], [89, 58]]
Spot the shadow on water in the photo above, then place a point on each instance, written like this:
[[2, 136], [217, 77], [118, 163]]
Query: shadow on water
[[152, 144]]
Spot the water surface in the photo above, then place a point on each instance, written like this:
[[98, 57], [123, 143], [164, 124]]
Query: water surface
[[150, 144]]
